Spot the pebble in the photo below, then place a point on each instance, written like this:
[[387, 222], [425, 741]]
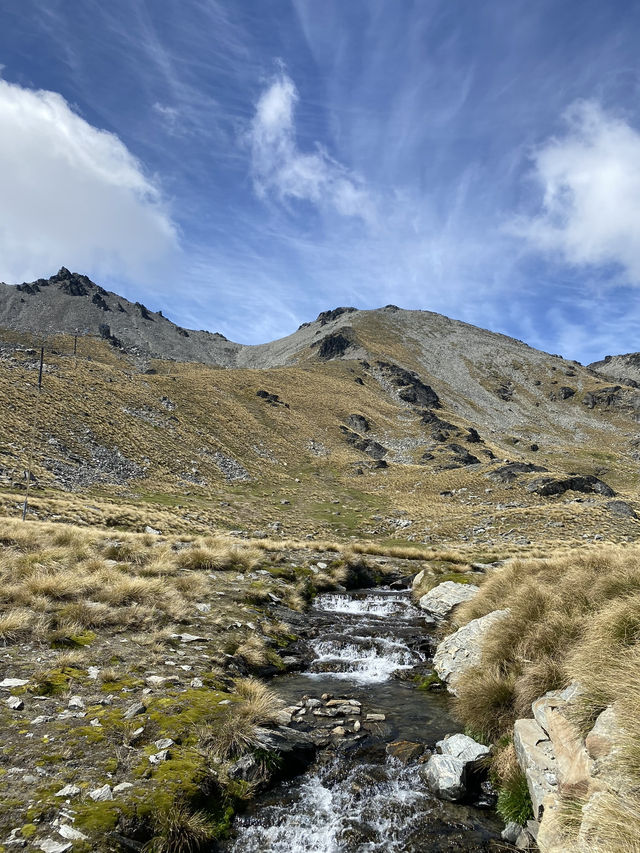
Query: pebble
[[76, 703], [15, 703], [375, 718], [123, 786], [197, 682]]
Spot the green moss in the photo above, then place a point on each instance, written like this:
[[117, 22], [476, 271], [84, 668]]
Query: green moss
[[85, 638], [127, 682], [55, 681], [428, 682], [111, 765], [98, 818], [29, 830]]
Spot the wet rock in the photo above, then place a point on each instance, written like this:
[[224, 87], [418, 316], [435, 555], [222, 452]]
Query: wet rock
[[296, 749], [440, 600], [405, 751], [375, 718], [463, 649], [339, 731], [445, 776]]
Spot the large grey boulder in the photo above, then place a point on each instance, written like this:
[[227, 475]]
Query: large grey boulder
[[463, 649], [463, 747], [444, 774], [441, 600], [537, 760]]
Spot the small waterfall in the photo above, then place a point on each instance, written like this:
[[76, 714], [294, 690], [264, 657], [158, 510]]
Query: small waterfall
[[361, 800]]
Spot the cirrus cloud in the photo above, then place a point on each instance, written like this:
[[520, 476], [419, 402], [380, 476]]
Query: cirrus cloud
[[280, 167], [73, 194]]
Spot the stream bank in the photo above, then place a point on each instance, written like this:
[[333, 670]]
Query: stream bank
[[374, 729]]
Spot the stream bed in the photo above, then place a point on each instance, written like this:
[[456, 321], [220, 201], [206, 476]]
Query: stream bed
[[357, 797]]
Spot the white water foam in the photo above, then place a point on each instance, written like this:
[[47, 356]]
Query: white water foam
[[370, 661], [372, 605], [325, 814]]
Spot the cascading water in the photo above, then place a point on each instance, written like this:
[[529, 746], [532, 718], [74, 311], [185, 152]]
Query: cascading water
[[358, 799]]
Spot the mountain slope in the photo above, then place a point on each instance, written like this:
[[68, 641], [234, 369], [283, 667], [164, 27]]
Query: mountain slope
[[382, 423]]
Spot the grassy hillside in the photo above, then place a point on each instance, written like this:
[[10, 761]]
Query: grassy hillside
[[189, 446]]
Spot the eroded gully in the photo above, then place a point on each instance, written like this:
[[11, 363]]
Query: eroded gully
[[358, 797]]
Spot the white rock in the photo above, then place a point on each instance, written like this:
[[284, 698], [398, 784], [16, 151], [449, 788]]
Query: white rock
[[49, 845], [68, 832], [15, 703], [536, 758], [101, 794], [189, 638], [463, 747], [445, 776], [13, 682], [463, 649], [123, 786], [68, 791], [76, 702], [159, 756], [197, 682], [164, 743], [440, 600]]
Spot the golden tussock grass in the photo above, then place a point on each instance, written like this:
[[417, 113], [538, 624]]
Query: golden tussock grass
[[573, 618]]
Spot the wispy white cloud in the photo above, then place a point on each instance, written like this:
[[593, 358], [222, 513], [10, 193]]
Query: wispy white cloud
[[72, 194], [590, 181], [281, 168]]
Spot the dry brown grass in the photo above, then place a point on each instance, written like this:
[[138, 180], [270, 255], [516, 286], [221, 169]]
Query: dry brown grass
[[573, 618], [570, 615]]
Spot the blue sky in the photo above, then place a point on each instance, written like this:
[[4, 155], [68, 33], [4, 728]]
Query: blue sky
[[245, 165]]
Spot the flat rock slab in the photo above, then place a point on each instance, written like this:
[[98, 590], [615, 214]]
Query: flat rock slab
[[441, 600], [463, 649]]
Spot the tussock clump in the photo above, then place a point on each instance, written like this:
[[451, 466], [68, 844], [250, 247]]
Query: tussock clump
[[573, 618], [181, 830]]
